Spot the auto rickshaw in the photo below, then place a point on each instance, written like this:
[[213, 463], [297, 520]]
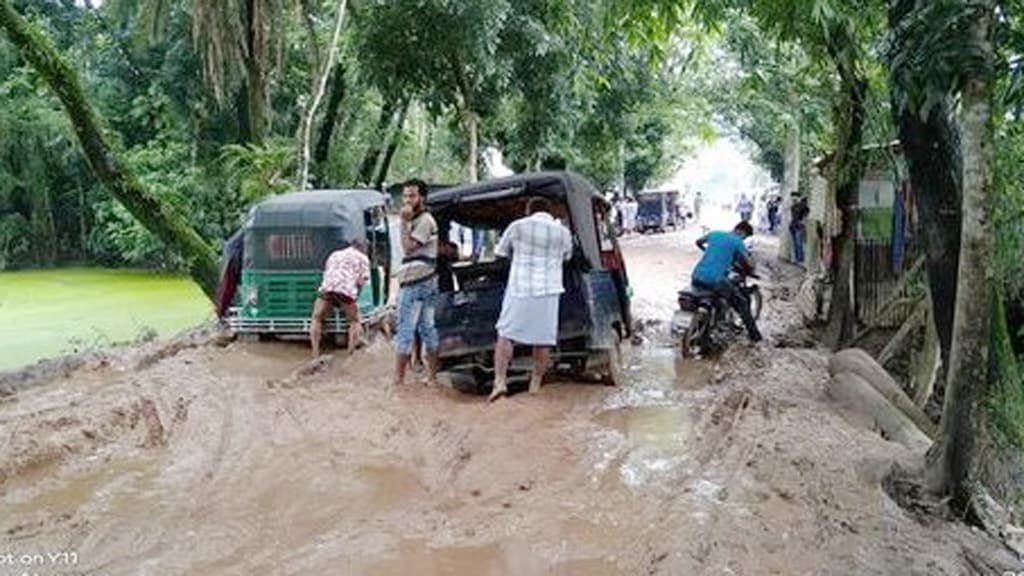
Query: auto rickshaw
[[285, 242], [658, 211], [594, 311]]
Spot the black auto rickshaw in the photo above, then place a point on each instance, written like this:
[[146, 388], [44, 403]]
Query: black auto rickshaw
[[594, 311], [657, 211], [278, 257]]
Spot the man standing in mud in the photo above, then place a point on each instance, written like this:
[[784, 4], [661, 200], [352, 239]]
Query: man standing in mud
[[539, 245], [345, 274], [417, 279], [723, 250]]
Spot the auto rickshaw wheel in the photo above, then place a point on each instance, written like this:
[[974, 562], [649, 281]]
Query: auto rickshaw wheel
[[611, 360], [475, 382]]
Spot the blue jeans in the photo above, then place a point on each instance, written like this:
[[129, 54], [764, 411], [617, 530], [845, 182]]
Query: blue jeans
[[416, 316], [798, 233]]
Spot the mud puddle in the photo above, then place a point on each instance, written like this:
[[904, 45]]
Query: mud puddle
[[66, 493], [194, 465]]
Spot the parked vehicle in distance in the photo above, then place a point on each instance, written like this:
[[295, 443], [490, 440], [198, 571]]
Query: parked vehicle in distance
[[594, 311], [286, 242], [657, 211]]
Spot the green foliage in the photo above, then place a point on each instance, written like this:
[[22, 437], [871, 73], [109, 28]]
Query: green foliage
[[259, 171], [14, 241], [118, 238], [1005, 400], [1008, 212]]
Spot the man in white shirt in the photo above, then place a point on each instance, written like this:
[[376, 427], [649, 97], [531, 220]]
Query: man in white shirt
[[539, 245]]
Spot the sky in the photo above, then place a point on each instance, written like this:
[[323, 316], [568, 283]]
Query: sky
[[721, 169]]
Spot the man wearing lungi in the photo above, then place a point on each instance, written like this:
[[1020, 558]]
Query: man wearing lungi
[[539, 245]]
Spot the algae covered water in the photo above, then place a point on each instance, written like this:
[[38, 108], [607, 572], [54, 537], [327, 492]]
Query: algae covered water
[[47, 313]]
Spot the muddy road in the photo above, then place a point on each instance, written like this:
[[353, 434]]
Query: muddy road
[[207, 459]]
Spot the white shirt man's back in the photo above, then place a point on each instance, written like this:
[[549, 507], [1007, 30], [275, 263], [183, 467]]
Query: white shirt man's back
[[538, 246]]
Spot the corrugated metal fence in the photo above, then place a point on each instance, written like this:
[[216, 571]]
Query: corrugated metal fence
[[878, 281]]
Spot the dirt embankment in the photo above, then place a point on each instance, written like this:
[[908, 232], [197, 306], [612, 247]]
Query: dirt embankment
[[205, 459]]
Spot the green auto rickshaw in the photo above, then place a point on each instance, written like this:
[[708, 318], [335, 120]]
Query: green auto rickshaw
[[280, 254]]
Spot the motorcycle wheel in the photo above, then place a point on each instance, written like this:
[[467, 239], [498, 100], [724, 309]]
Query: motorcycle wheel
[[692, 340]]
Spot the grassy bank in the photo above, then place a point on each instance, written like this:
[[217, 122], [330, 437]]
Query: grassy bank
[[46, 313]]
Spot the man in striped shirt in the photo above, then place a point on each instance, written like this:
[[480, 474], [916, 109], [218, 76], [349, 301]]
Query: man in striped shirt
[[539, 245]]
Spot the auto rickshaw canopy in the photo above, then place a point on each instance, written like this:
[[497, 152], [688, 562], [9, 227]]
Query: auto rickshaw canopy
[[494, 204], [299, 230]]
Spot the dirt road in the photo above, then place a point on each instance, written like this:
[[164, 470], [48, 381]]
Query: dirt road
[[216, 460]]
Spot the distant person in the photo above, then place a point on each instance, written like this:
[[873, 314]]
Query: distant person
[[629, 215], [722, 251], [773, 213], [539, 245], [345, 273], [746, 208], [698, 201], [798, 225], [417, 280]]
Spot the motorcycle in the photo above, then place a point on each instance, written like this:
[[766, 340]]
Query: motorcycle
[[701, 313]]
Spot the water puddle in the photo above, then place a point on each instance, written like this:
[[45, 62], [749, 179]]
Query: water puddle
[[653, 426], [657, 442], [65, 496], [504, 559]]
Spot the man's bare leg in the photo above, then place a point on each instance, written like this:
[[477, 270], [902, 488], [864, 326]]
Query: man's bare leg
[[502, 356], [416, 361], [401, 364], [541, 359], [355, 327], [320, 309], [432, 362]]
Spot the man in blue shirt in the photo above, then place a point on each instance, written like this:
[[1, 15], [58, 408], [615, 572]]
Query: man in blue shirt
[[723, 250]]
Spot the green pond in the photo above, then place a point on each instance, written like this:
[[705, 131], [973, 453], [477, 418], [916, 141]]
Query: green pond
[[48, 313]]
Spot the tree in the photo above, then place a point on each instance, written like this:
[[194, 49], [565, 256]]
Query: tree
[[461, 71], [968, 377], [320, 88], [165, 222], [921, 89]]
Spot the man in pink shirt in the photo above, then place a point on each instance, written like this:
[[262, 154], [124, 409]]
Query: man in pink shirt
[[345, 274]]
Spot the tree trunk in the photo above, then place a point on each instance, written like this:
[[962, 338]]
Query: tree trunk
[[318, 95], [968, 374], [933, 159], [323, 139], [157, 217], [393, 141], [471, 122], [255, 81], [44, 231], [387, 111], [83, 226], [931, 147], [848, 169], [790, 184]]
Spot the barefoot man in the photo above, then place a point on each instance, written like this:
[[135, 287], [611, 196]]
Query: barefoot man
[[538, 245], [417, 281], [345, 274]]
